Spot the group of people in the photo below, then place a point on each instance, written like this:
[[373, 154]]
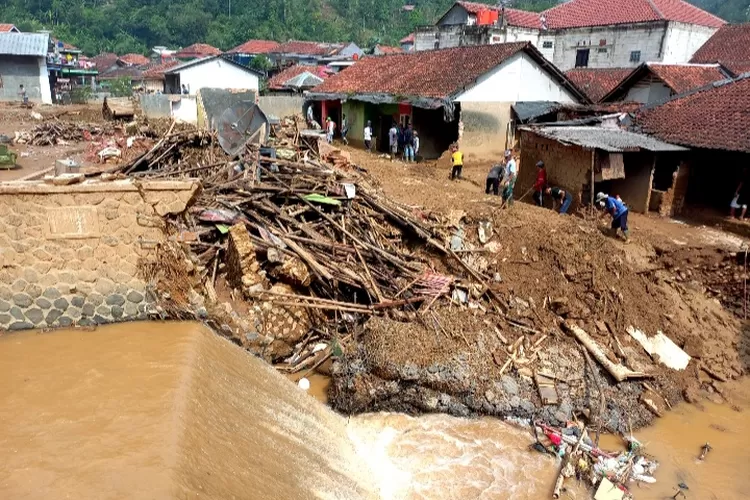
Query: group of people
[[503, 174], [402, 139], [331, 129]]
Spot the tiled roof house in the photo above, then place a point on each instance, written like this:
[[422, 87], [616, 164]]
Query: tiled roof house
[[381, 50], [597, 82], [197, 51], [255, 47], [713, 117], [433, 89], [730, 47], [277, 82], [135, 59], [582, 33], [653, 82], [8, 28]]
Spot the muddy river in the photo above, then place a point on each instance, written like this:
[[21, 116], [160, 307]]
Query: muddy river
[[154, 410]]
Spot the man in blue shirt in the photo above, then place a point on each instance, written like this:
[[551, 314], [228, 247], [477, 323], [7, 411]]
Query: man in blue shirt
[[619, 212]]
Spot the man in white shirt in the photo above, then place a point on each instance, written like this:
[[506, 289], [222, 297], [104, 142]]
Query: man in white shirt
[[368, 136], [511, 170]]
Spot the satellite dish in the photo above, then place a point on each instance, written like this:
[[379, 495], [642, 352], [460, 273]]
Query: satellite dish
[[238, 124]]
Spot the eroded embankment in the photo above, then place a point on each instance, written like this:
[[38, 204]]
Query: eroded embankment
[[551, 271]]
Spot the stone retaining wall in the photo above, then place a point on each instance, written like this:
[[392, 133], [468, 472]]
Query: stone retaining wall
[[70, 254]]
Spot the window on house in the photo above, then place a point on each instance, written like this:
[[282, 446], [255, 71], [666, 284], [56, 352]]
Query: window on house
[[635, 56], [546, 45], [582, 58], [602, 50]]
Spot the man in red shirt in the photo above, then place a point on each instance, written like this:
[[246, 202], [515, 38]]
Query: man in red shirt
[[540, 184]]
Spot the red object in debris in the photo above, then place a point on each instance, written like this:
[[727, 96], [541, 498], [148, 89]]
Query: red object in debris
[[555, 438]]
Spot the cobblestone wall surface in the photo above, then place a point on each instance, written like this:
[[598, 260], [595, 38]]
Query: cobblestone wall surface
[[70, 254]]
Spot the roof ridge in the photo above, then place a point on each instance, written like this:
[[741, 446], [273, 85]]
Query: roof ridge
[[704, 88], [655, 9]]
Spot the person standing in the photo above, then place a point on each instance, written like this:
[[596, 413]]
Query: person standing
[[409, 144], [416, 145], [495, 175], [740, 199], [541, 183], [24, 95], [393, 140], [511, 172], [615, 207], [561, 196], [330, 130], [368, 136], [457, 160], [344, 129]]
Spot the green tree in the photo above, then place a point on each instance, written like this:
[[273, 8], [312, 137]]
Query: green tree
[[121, 87]]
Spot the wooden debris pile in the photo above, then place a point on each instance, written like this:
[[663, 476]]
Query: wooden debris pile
[[56, 132]]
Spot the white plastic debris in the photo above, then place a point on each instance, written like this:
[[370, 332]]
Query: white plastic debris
[[304, 384]]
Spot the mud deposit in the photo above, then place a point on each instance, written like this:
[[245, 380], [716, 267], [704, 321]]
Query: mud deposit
[[549, 270]]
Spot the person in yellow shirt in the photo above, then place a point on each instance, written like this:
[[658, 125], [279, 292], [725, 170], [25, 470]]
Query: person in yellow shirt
[[457, 159]]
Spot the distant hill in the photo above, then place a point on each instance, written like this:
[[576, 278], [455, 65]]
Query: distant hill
[[123, 26]]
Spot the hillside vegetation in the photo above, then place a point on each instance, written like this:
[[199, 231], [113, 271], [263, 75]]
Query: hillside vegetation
[[136, 25]]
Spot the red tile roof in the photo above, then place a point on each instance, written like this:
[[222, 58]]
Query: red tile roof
[[104, 61], [135, 59], [684, 77], [680, 78], [255, 47], [713, 118], [7, 28], [596, 83], [156, 72], [583, 13], [513, 17], [408, 38], [522, 18], [385, 49], [197, 51], [431, 73], [277, 81], [131, 72], [730, 46], [309, 48]]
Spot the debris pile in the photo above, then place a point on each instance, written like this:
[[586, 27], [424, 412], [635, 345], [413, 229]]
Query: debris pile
[[56, 132], [609, 473]]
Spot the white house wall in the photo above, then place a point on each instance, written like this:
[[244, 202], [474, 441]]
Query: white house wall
[[517, 79], [683, 40], [44, 86], [618, 42], [219, 74], [485, 108], [647, 91]]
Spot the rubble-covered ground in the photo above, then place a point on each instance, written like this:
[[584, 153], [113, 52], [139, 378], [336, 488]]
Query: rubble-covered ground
[[368, 283], [550, 269]]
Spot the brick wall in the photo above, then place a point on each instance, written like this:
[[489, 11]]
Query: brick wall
[[673, 200], [568, 167], [70, 254]]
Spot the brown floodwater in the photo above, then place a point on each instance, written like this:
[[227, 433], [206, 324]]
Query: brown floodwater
[[170, 410]]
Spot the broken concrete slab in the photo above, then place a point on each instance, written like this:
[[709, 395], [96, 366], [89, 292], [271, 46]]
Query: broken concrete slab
[[661, 349]]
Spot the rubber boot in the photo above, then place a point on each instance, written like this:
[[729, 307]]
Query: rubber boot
[[627, 235]]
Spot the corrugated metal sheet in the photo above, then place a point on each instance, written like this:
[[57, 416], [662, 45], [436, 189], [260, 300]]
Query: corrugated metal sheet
[[24, 44], [612, 140]]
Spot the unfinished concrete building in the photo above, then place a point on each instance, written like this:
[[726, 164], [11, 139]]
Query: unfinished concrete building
[[23, 61]]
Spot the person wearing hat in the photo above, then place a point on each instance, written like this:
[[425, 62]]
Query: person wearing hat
[[541, 183], [511, 174], [561, 196], [615, 207]]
